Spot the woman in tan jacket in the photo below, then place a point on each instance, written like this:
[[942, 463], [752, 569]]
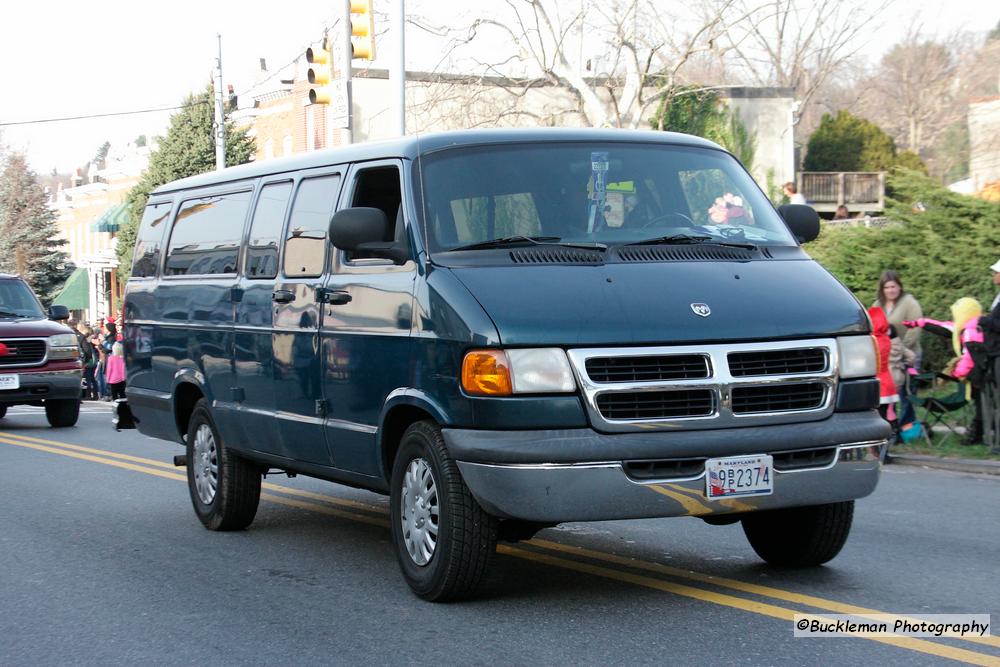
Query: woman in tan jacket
[[900, 305]]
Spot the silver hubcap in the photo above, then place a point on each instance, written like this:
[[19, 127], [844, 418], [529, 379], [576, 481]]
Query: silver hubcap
[[420, 516], [205, 464]]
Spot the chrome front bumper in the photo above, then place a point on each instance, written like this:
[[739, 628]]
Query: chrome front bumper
[[560, 492]]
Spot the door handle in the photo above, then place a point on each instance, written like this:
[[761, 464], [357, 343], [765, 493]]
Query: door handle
[[333, 297], [282, 296]]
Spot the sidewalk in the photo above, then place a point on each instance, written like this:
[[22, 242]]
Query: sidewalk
[[982, 466]]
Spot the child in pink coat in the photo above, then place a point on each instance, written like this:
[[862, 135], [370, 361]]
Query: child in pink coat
[[116, 371]]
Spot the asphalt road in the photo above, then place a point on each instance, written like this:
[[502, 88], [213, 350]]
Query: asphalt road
[[104, 563]]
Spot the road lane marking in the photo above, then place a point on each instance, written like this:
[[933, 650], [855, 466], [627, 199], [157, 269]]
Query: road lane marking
[[734, 584], [766, 609], [170, 466]]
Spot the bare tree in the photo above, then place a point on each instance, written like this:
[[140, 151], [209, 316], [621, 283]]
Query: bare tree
[[915, 93], [636, 52], [800, 43]]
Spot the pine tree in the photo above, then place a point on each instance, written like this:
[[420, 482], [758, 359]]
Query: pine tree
[[28, 243], [186, 150], [846, 142]]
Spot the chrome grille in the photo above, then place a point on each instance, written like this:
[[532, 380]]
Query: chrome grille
[[656, 404], [777, 362], [777, 398], [23, 351], [647, 369], [707, 386]]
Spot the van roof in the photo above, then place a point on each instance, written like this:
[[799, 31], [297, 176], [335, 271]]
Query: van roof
[[413, 145]]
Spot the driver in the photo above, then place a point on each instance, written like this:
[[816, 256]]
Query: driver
[[637, 213]]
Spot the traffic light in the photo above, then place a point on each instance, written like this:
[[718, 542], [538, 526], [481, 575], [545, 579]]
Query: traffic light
[[320, 73], [362, 30]]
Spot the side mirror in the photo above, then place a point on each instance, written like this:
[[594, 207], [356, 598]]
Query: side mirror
[[802, 220], [364, 229], [58, 313]]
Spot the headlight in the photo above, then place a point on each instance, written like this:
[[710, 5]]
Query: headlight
[[63, 346], [506, 372], [858, 356]]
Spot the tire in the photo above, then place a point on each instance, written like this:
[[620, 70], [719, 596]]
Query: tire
[[224, 488], [3, 411], [427, 494], [800, 536], [62, 412]]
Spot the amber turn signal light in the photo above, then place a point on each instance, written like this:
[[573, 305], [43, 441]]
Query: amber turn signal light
[[486, 373]]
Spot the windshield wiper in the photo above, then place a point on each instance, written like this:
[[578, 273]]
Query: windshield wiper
[[7, 313], [508, 241], [685, 239]]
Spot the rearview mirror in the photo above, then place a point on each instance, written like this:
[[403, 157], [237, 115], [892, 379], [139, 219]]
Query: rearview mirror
[[366, 230], [802, 221], [58, 313]]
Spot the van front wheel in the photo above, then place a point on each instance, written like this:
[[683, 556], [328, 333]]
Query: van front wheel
[[800, 536], [445, 542], [225, 489]]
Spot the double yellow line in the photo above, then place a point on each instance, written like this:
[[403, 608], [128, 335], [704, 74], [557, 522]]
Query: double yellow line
[[650, 575]]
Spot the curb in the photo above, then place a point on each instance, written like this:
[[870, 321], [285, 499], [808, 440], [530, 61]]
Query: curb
[[986, 467]]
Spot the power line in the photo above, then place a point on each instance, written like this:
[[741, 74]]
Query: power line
[[257, 84], [99, 115]]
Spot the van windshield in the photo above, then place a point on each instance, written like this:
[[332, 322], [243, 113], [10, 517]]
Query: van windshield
[[592, 193], [16, 300]]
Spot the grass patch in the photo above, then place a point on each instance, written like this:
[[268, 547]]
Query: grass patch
[[950, 448]]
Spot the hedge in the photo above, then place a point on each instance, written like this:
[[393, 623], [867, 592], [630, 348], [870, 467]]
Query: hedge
[[942, 247]]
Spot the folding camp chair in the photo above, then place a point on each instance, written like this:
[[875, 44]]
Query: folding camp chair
[[938, 409]]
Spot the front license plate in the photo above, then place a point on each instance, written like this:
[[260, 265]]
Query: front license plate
[[739, 476], [10, 382]]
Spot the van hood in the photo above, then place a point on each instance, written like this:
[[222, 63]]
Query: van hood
[[656, 303], [24, 327]]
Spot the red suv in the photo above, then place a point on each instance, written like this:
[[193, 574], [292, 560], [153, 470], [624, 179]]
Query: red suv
[[39, 358]]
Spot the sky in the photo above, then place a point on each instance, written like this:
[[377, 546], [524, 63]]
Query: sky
[[63, 58]]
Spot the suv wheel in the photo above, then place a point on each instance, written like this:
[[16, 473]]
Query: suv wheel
[[225, 489], [62, 412], [800, 536], [445, 542], [3, 411]]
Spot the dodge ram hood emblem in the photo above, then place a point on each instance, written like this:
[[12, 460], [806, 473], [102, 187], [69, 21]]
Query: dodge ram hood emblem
[[701, 309]]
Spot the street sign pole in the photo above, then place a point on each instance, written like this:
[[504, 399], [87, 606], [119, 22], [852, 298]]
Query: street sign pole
[[397, 73], [346, 55], [220, 117]]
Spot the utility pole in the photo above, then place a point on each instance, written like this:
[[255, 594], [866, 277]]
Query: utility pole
[[220, 116], [346, 55], [397, 73]]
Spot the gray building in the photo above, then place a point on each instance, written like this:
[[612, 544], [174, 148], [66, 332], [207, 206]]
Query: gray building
[[984, 142]]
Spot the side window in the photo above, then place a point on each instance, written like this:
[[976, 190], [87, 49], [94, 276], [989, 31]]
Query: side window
[[265, 230], [483, 218], [379, 188], [147, 245], [206, 236], [305, 242]]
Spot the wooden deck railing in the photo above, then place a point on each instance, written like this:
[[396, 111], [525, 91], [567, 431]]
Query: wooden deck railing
[[857, 190]]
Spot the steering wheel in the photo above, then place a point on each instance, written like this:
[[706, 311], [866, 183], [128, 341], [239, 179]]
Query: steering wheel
[[652, 222]]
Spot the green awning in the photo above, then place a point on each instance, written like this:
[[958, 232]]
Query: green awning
[[111, 220], [75, 294]]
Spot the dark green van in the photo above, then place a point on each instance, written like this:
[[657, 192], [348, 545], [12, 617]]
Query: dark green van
[[505, 330]]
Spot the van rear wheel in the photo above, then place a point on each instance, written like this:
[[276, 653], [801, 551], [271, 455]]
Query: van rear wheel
[[62, 412], [445, 542], [225, 489], [800, 536]]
